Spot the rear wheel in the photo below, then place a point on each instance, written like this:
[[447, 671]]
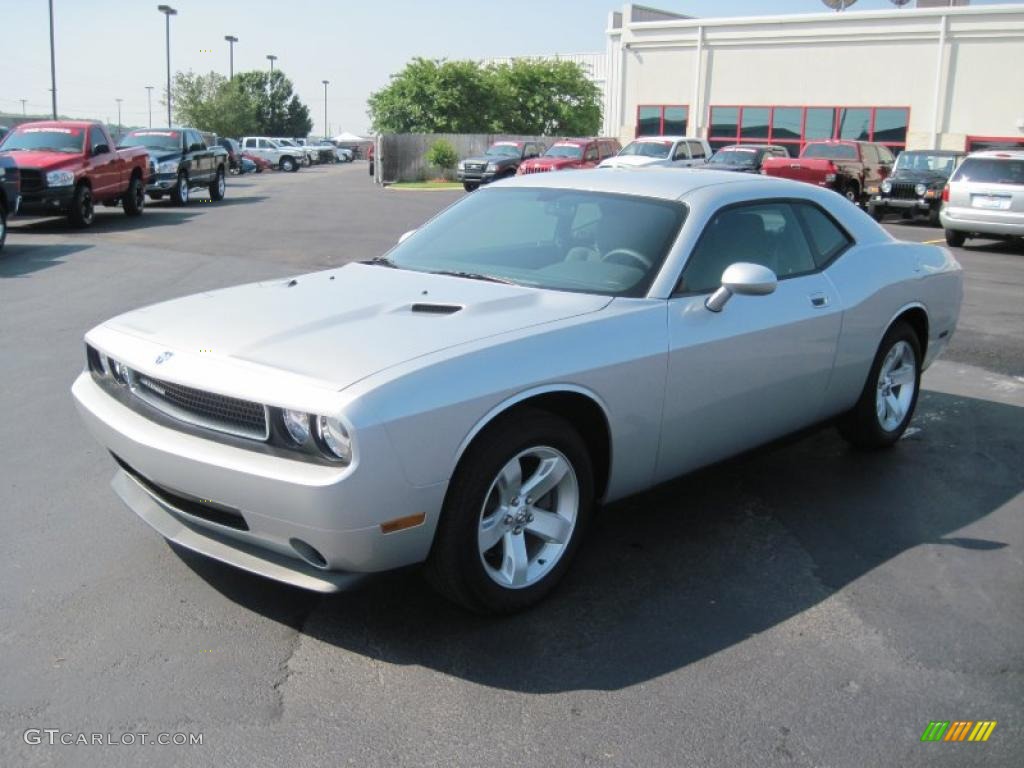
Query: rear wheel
[[852, 193], [134, 200], [82, 211], [887, 402], [218, 186], [514, 514], [954, 238], [179, 195]]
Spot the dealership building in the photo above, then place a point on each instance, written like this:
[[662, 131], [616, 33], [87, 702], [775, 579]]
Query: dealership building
[[917, 78]]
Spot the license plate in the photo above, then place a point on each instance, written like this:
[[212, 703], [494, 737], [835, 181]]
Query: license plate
[[991, 202]]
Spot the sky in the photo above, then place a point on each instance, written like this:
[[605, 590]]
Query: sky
[[111, 49]]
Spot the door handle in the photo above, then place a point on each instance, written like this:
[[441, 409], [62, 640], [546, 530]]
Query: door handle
[[818, 300]]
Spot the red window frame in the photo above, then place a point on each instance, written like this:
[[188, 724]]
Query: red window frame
[[799, 143], [1016, 140], [661, 115]]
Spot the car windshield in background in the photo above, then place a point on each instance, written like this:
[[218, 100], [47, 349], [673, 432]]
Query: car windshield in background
[[922, 162], [285, 143], [647, 148], [52, 139], [734, 157], [567, 240], [504, 150], [990, 170], [162, 141], [831, 151], [565, 150]]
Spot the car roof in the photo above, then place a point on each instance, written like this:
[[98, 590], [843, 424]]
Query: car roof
[[1000, 154], [60, 124], [663, 183], [942, 152], [667, 138], [752, 146]]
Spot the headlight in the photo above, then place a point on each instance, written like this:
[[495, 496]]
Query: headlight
[[335, 438], [492, 167], [887, 187], [60, 178], [297, 424], [169, 166], [921, 189]]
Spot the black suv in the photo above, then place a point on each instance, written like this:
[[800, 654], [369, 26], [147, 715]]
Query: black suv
[[744, 158], [915, 186], [499, 162], [183, 159], [10, 191]]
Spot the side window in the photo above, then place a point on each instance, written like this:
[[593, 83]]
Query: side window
[[827, 239], [696, 150], [264, 144], [530, 150], [886, 155], [590, 156], [681, 152], [250, 143], [870, 154], [95, 138], [760, 233]]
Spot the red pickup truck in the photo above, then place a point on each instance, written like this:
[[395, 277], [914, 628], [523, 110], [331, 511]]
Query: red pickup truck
[[854, 169], [67, 166]]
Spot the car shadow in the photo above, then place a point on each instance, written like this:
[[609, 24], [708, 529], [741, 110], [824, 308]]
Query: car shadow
[[107, 220], [21, 259], [201, 199], [672, 576], [981, 245]]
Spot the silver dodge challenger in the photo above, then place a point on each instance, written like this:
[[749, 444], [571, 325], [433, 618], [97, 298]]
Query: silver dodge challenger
[[544, 345]]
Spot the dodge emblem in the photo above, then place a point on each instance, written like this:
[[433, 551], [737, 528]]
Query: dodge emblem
[[163, 357]]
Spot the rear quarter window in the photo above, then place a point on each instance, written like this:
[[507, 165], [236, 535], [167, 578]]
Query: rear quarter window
[[991, 170], [826, 238]]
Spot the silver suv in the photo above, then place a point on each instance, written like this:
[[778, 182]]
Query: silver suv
[[985, 197]]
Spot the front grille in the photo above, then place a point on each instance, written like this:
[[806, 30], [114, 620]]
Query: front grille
[[205, 409], [475, 166], [904, 190], [535, 169], [31, 181]]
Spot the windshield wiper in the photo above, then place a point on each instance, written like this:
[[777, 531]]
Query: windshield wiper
[[381, 261], [474, 276]]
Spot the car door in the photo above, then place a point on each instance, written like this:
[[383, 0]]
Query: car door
[[681, 155], [590, 156], [760, 368], [103, 169], [201, 157], [697, 154]]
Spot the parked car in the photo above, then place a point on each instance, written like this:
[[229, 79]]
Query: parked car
[[279, 156], [234, 151], [183, 162], [67, 166], [466, 399], [501, 160], [10, 194], [324, 152], [260, 164], [848, 167], [661, 151], [745, 158], [915, 186], [571, 153], [307, 155], [985, 197]]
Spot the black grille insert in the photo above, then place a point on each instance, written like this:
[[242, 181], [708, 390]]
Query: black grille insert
[[226, 414], [31, 181], [904, 190]]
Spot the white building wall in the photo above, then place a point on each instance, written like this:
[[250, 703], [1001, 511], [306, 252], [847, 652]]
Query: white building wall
[[881, 59]]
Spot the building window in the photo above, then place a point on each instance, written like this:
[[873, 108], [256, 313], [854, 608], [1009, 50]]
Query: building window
[[662, 119], [792, 127], [979, 143]]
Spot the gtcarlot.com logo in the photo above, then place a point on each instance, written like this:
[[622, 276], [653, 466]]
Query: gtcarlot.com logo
[[53, 736], [958, 730]]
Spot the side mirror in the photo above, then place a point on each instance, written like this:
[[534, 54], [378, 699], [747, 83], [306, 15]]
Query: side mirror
[[100, 149], [406, 236], [744, 279]]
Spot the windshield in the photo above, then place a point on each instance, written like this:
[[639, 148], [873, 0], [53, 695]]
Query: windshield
[[565, 150], [284, 143], [504, 150], [51, 139], [734, 157], [647, 148], [991, 170], [922, 162], [562, 239], [162, 141], [831, 151]]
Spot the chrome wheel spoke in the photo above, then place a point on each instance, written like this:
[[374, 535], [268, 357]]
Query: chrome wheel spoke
[[902, 375], [549, 473], [516, 561], [510, 481], [893, 409], [492, 529], [549, 526]]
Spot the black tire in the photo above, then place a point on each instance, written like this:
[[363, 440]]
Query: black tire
[[933, 217], [83, 212], [852, 193], [217, 186], [3, 226], [288, 164], [861, 426], [469, 186], [134, 200], [455, 566], [371, 167], [954, 238], [180, 192]]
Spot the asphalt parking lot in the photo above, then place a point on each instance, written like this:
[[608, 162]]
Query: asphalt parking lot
[[805, 605]]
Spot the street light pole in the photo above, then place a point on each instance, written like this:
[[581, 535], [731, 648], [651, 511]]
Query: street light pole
[[272, 58], [326, 83], [119, 116], [167, 11], [149, 101], [53, 67], [23, 106], [231, 43]]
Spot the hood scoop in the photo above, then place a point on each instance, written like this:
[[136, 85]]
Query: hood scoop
[[435, 309]]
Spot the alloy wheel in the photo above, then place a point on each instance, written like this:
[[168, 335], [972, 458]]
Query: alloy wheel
[[897, 381]]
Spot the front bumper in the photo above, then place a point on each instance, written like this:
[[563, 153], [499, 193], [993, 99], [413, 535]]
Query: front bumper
[[49, 200], [920, 205], [162, 182], [475, 177], [336, 511], [982, 222]]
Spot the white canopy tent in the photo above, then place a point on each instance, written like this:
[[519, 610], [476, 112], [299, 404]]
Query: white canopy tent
[[350, 138]]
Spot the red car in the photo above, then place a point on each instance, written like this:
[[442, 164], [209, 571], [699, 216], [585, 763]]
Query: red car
[[572, 153], [261, 164], [854, 169], [67, 166]]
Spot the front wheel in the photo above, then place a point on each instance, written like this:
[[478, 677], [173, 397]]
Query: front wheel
[[3, 226], [469, 186], [887, 402], [134, 200], [514, 514], [82, 211], [852, 193], [954, 238], [287, 164], [179, 195], [217, 186]]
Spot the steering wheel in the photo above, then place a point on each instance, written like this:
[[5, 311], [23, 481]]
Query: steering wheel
[[629, 253]]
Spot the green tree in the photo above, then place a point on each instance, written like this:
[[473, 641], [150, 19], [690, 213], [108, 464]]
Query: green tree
[[442, 155], [279, 112], [254, 103], [546, 97]]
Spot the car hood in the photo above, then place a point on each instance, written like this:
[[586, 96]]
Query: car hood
[[631, 161], [484, 159], [551, 162], [43, 160], [340, 326]]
